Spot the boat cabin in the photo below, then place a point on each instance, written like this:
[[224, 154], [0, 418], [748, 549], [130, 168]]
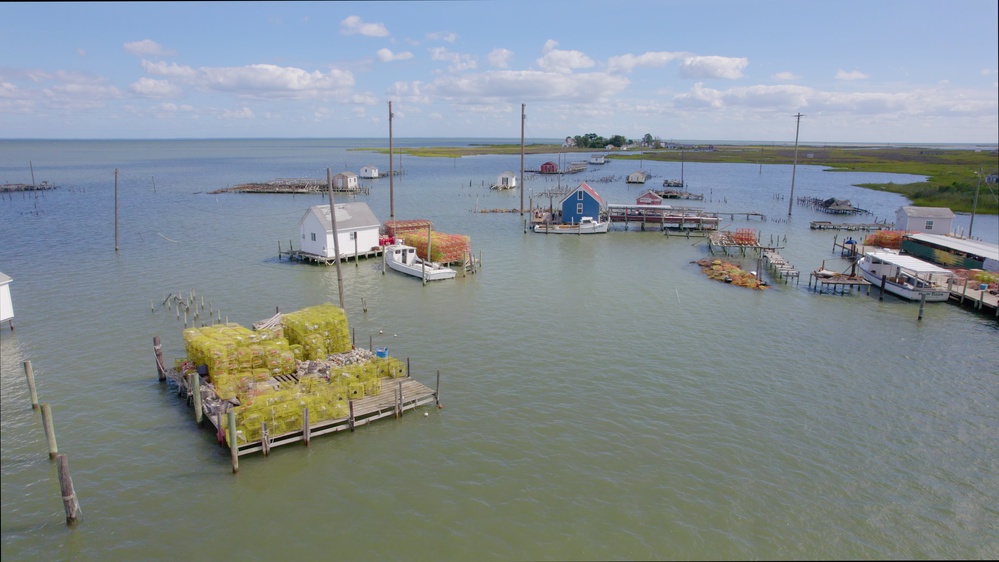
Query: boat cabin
[[506, 180]]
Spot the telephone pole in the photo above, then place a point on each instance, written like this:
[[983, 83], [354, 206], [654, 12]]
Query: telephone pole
[[794, 168]]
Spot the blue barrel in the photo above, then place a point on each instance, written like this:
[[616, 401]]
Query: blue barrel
[[381, 352]]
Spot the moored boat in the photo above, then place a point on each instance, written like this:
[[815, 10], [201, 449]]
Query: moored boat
[[403, 259], [586, 225], [905, 276]]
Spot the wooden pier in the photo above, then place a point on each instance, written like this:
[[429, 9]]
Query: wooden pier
[[397, 396], [298, 255], [826, 225], [779, 266], [836, 282]]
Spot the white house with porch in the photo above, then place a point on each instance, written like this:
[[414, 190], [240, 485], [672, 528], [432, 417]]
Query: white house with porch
[[357, 230]]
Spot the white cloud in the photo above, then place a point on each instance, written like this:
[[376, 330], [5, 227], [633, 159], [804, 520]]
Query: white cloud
[[172, 69], [853, 75], [563, 62], [385, 55], [260, 80], [459, 62], [626, 63], [500, 58], [352, 25], [445, 36], [241, 113], [701, 67], [80, 52], [147, 87], [148, 48], [519, 85], [785, 76]]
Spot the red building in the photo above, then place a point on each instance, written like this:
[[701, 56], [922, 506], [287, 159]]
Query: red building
[[549, 168]]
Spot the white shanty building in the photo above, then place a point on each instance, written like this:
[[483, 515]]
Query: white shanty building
[[6, 307], [357, 231], [506, 180], [932, 220], [369, 172], [345, 181]]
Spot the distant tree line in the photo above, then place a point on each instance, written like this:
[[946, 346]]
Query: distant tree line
[[593, 140]]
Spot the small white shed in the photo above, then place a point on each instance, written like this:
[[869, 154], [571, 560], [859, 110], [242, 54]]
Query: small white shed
[[369, 172], [636, 177], [6, 307], [506, 180], [345, 181], [932, 220], [356, 225]]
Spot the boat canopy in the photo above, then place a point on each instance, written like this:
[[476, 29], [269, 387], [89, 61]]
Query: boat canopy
[[910, 263]]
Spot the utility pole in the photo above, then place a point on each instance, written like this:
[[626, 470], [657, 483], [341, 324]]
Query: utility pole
[[391, 170], [523, 118], [974, 206], [794, 168], [336, 237]]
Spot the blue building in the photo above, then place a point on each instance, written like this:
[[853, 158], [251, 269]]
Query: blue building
[[583, 202]]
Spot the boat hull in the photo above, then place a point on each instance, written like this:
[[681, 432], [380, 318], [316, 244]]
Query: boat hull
[[398, 261], [587, 227], [903, 290]]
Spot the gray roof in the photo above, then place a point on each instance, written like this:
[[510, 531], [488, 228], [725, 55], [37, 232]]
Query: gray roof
[[929, 212], [971, 247], [349, 216]]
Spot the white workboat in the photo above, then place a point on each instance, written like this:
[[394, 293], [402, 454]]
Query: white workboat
[[403, 259], [905, 276], [586, 225]]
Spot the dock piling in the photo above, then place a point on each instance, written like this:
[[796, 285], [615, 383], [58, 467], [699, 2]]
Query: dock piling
[[306, 430], [69, 501], [30, 374], [233, 444], [49, 430]]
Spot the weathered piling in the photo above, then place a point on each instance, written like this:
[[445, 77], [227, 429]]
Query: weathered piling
[[49, 430], [158, 349], [30, 374], [233, 443], [69, 501], [198, 413]]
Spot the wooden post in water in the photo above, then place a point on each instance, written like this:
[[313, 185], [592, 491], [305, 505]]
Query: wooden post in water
[[66, 487], [233, 443], [306, 430], [158, 349], [30, 374], [198, 413], [265, 439], [922, 303], [350, 418], [437, 391], [884, 279], [49, 430]]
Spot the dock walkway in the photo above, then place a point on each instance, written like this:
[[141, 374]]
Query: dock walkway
[[397, 396], [779, 266]]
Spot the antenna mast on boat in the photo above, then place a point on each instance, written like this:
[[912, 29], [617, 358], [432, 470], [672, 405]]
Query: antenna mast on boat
[[523, 118], [794, 168], [391, 170]]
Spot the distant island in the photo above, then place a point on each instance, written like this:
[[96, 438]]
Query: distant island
[[952, 174]]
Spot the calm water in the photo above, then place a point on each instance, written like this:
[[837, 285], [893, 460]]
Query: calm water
[[602, 399]]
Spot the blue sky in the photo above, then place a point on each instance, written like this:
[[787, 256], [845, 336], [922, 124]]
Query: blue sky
[[911, 71]]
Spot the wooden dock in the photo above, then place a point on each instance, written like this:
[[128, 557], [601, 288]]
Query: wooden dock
[[779, 266], [827, 225], [397, 396], [836, 282], [298, 255]]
